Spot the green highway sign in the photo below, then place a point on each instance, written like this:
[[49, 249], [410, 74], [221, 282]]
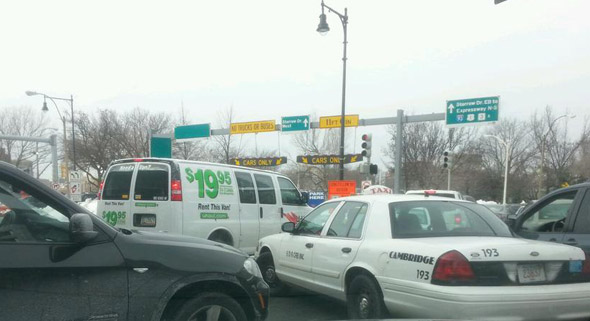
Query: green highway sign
[[294, 123], [161, 147], [192, 131], [472, 111]]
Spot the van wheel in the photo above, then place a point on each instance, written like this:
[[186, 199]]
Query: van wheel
[[222, 237], [211, 306], [364, 299], [267, 267]]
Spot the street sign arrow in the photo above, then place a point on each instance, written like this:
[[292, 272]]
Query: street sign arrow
[[451, 108]]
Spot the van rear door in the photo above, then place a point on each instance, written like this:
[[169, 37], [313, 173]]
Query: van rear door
[[115, 205], [152, 207]]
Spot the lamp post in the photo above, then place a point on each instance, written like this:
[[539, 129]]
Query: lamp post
[[542, 184], [323, 28], [507, 145], [63, 119]]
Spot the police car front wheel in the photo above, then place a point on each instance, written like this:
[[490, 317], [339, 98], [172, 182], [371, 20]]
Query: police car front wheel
[[267, 267], [364, 299]]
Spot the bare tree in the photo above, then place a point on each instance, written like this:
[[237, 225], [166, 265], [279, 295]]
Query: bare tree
[[225, 147], [136, 125], [557, 149], [422, 150], [23, 121]]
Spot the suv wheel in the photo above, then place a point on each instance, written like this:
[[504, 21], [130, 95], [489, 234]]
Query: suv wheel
[[364, 299], [211, 306], [267, 267]]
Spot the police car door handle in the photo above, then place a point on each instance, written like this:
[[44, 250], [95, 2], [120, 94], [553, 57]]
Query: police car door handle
[[571, 241], [309, 245], [346, 250], [261, 215]]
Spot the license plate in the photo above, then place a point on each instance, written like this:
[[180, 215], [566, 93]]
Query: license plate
[[529, 273], [148, 220]]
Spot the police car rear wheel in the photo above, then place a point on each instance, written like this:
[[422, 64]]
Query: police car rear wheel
[[267, 267], [364, 299]]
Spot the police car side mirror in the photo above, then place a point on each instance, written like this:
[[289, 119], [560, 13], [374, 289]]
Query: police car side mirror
[[304, 197], [288, 227], [82, 228]]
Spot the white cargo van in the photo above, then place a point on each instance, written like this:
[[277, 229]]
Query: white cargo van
[[229, 204]]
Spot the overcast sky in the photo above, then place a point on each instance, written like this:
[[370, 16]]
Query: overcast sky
[[266, 59]]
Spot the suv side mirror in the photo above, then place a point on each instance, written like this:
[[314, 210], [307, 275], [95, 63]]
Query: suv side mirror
[[304, 197], [288, 227], [82, 228]]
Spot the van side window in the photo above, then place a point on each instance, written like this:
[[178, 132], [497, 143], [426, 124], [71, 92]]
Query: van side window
[[246, 188], [289, 193], [266, 189], [118, 182], [151, 183]]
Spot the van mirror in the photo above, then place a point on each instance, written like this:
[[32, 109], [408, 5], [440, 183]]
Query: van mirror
[[82, 228], [288, 227], [304, 197]]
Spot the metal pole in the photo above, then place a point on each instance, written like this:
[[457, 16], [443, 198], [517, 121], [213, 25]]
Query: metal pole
[[342, 119], [53, 138], [398, 151], [66, 162], [37, 157], [449, 178], [507, 145], [73, 131]]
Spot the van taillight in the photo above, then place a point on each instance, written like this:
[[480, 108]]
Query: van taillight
[[452, 267], [176, 190], [100, 190]]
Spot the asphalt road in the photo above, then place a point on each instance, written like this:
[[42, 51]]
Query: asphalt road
[[302, 306]]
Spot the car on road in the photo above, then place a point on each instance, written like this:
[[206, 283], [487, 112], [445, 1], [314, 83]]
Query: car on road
[[440, 193], [562, 216], [228, 204], [59, 262], [379, 255]]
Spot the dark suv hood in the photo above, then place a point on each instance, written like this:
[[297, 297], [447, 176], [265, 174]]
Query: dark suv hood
[[178, 252]]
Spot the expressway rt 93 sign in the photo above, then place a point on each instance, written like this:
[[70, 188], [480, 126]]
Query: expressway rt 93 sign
[[472, 111]]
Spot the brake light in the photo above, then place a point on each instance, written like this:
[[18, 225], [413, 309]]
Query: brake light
[[457, 218], [452, 267], [138, 159], [429, 192], [99, 196], [176, 190]]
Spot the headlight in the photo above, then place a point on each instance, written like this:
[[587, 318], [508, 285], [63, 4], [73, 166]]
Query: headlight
[[252, 267]]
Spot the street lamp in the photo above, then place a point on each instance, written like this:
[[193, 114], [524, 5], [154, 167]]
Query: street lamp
[[323, 28], [507, 146], [63, 119], [543, 139]]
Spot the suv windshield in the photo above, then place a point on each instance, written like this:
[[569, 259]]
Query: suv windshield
[[440, 218]]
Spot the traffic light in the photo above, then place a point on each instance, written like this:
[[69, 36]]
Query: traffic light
[[366, 145], [373, 169], [446, 159]]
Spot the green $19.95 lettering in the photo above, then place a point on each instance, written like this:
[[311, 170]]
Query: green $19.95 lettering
[[208, 179]]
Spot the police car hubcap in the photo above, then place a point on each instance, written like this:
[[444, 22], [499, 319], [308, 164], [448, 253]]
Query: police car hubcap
[[269, 275], [364, 306]]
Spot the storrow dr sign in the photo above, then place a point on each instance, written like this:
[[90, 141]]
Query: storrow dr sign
[[472, 111], [294, 123]]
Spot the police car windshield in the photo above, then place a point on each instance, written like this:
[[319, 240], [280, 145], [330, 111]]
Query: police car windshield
[[443, 218]]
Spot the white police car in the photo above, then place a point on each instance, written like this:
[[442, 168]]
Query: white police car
[[430, 257]]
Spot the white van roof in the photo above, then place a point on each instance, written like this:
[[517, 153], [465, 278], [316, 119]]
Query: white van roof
[[179, 161]]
